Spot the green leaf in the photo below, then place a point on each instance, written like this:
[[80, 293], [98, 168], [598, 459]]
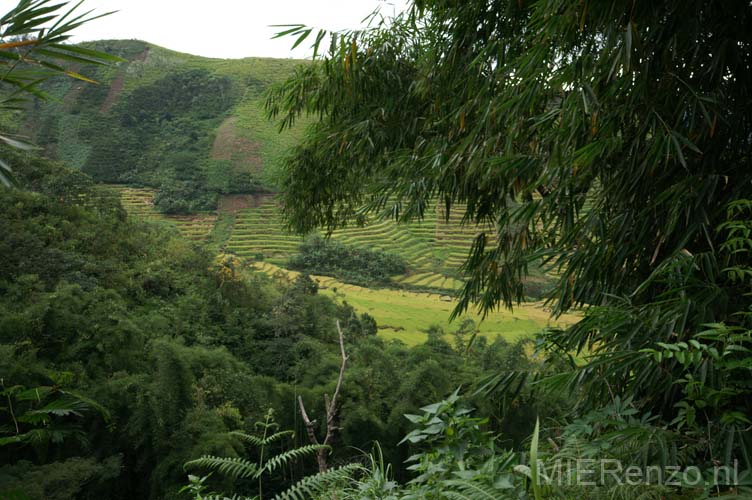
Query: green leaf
[[534, 477], [301, 38]]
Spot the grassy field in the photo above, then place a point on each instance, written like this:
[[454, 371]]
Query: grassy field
[[406, 315]]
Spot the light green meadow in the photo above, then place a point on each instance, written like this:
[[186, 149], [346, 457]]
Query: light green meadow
[[406, 315]]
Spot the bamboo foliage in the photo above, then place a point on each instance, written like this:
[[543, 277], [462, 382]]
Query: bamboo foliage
[[33, 48], [608, 141]]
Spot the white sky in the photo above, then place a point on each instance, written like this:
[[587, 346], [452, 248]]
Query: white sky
[[223, 28]]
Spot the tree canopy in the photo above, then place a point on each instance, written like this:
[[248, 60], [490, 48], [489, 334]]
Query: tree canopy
[[596, 132]]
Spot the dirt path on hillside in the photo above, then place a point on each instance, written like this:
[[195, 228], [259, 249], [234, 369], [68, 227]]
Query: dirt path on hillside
[[116, 88]]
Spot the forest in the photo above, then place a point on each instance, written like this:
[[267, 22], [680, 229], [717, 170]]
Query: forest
[[472, 250]]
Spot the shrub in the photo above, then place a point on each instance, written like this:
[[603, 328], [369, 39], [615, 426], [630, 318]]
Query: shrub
[[183, 197], [355, 265]]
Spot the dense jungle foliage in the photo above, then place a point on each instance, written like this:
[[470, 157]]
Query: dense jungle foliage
[[148, 351]]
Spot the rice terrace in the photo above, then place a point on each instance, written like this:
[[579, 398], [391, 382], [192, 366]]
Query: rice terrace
[[405, 311]]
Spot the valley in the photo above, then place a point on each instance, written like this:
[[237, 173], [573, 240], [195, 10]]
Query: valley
[[458, 252], [405, 312]]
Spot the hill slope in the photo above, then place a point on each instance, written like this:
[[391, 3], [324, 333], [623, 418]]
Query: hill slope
[[185, 139], [191, 127]]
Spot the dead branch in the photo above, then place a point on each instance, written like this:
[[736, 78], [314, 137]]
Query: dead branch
[[330, 407]]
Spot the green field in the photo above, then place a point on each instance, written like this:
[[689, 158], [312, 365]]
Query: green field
[[406, 315]]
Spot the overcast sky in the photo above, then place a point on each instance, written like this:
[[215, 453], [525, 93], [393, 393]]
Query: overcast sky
[[223, 28]]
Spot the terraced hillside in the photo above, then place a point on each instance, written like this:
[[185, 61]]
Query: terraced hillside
[[259, 233], [433, 248], [193, 130], [139, 202]]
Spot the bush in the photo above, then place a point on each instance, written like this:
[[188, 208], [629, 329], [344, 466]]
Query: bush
[[355, 265], [184, 197]]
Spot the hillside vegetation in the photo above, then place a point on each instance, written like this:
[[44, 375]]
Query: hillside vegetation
[[158, 343], [185, 139], [188, 126], [252, 227]]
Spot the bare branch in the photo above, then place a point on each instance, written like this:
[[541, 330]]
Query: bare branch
[[308, 423], [330, 407]]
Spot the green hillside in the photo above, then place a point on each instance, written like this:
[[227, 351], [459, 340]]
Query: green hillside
[[433, 248], [190, 127], [184, 138]]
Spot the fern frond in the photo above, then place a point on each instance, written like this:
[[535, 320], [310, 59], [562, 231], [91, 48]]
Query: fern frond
[[310, 486], [283, 458], [238, 468], [258, 441], [473, 490], [278, 435], [254, 440]]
